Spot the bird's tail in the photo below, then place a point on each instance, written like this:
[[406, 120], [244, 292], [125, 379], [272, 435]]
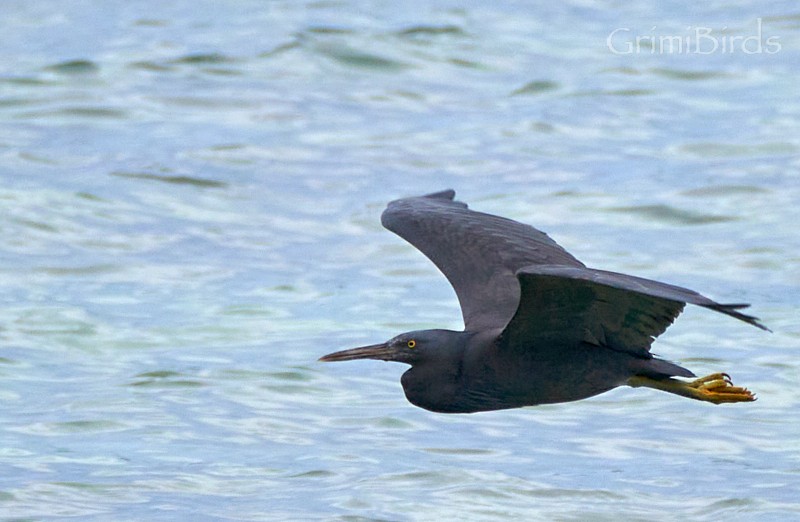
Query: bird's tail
[[660, 369]]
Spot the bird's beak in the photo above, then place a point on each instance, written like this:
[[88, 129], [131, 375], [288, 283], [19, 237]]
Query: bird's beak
[[375, 351]]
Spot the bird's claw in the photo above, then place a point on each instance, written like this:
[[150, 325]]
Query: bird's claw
[[718, 388]]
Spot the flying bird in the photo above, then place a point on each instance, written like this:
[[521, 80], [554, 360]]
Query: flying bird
[[539, 326]]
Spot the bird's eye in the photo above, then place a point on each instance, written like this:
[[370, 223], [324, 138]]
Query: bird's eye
[[411, 343]]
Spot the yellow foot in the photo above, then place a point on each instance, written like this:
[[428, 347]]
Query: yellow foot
[[716, 388]]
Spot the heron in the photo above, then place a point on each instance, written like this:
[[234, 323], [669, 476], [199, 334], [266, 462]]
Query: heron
[[540, 327]]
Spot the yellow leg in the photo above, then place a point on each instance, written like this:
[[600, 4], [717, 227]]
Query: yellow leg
[[716, 388]]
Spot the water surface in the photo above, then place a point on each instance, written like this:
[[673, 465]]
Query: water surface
[[191, 197]]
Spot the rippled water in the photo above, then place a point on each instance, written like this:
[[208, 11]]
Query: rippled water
[[190, 217]]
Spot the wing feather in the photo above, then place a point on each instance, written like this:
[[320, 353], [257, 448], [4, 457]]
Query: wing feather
[[565, 306], [479, 253]]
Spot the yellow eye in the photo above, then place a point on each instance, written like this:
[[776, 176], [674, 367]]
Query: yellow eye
[[411, 343]]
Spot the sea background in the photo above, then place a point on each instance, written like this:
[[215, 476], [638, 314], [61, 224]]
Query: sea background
[[190, 199]]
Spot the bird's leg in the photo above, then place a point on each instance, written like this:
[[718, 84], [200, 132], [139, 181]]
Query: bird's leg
[[716, 388]]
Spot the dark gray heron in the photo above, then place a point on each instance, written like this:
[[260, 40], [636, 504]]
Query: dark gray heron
[[540, 326]]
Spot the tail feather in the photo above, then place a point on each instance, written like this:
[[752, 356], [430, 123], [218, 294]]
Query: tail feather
[[660, 369]]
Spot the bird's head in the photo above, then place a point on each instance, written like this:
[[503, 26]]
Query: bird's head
[[410, 348]]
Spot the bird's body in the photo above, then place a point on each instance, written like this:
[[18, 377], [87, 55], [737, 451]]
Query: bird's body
[[474, 374], [540, 326]]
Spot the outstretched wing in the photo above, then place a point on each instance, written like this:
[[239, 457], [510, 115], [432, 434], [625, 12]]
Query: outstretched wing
[[479, 253], [565, 306]]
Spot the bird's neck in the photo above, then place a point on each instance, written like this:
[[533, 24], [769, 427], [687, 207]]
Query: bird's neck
[[435, 383]]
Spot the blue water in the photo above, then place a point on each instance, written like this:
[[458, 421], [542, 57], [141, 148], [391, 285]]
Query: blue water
[[190, 198]]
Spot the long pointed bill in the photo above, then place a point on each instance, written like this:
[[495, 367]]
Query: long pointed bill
[[376, 351]]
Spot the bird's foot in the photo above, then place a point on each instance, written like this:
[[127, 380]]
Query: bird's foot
[[718, 388]]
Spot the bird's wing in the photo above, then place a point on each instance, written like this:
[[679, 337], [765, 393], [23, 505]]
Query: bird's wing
[[479, 253], [567, 305]]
